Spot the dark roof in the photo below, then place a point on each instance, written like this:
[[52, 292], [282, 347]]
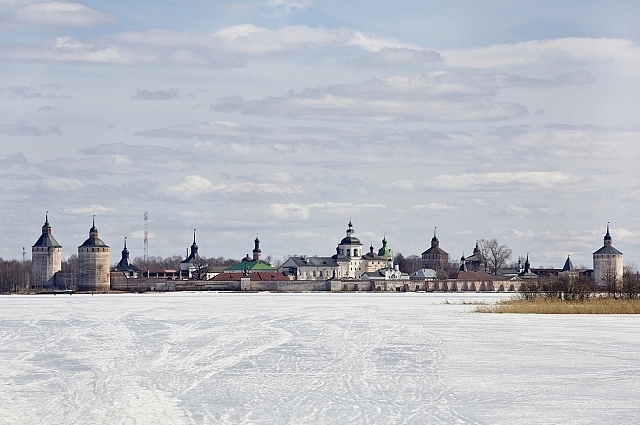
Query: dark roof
[[435, 250], [47, 239], [94, 242], [125, 265], [568, 265], [607, 250], [254, 276], [314, 261], [350, 240]]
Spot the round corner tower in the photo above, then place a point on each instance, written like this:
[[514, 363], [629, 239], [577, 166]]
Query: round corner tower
[[93, 263], [607, 263], [46, 258]]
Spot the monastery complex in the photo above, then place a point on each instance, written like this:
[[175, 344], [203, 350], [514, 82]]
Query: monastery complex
[[350, 268]]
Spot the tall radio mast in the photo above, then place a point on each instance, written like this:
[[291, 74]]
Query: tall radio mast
[[146, 239]]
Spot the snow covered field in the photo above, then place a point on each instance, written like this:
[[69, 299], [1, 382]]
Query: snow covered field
[[309, 359]]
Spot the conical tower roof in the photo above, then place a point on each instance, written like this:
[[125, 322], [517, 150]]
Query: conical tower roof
[[46, 239]]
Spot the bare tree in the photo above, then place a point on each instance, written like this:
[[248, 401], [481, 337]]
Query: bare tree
[[630, 281], [496, 255], [612, 282], [15, 275], [408, 264]]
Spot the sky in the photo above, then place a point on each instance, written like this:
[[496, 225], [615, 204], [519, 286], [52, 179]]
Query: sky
[[513, 120]]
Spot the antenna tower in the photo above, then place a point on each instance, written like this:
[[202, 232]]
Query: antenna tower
[[146, 239]]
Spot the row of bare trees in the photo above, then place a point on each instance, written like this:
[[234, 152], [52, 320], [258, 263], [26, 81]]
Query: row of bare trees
[[579, 288], [570, 288]]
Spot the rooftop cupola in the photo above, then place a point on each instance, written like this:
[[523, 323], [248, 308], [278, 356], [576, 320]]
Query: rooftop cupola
[[194, 245], [385, 251], [46, 239], [476, 250], [93, 232], [607, 237], [46, 228], [125, 251], [350, 230], [94, 240], [463, 263], [125, 262], [434, 241], [257, 253]]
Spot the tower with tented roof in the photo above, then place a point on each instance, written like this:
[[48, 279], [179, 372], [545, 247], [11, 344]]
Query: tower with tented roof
[[435, 258], [46, 258], [94, 263], [607, 263]]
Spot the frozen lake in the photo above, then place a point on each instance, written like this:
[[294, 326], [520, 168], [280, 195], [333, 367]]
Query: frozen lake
[[321, 358]]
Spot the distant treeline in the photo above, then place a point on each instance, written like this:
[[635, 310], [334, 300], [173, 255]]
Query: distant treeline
[[173, 262]]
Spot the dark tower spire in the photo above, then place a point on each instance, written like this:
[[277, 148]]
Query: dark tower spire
[[607, 237], [46, 228], [93, 232], [194, 246], [434, 241], [257, 252]]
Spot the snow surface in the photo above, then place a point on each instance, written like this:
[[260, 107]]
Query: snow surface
[[198, 358]]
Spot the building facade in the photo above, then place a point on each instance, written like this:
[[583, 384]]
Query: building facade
[[46, 258], [93, 263]]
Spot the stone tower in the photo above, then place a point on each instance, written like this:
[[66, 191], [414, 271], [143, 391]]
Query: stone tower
[[607, 263], [93, 263], [46, 258]]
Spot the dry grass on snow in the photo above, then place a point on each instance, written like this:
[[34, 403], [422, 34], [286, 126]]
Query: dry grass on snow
[[555, 306]]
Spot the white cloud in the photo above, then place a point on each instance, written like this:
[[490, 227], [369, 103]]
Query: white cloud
[[252, 39], [62, 184], [156, 95], [26, 129], [57, 14], [280, 177], [195, 185], [290, 5], [543, 51], [439, 97], [623, 233], [468, 180], [192, 185], [341, 205], [67, 49], [402, 55], [90, 209], [290, 210], [433, 206], [518, 210]]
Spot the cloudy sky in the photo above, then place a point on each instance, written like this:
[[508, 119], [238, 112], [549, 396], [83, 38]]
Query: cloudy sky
[[512, 120]]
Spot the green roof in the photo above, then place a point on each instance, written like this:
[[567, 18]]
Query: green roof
[[257, 265], [385, 251]]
